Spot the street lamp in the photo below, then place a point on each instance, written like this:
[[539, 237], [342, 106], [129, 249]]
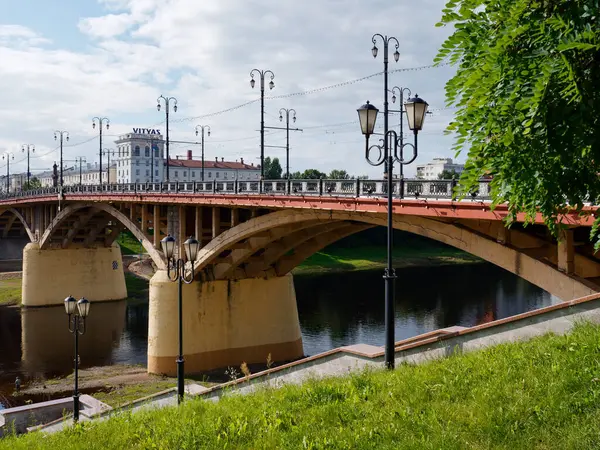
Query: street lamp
[[8, 156], [287, 127], [202, 127], [63, 135], [262, 74], [28, 147], [416, 109], [386, 40], [401, 92], [101, 120], [108, 152], [176, 272], [77, 311], [167, 100]]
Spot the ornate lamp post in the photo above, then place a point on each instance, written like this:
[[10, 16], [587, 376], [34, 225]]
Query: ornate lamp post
[[77, 311], [28, 148], [203, 127], [262, 74], [287, 127], [8, 156], [108, 152], [415, 111], [401, 92], [176, 272], [64, 135], [386, 40], [167, 101], [101, 120]]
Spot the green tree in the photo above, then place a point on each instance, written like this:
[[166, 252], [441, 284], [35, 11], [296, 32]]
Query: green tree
[[448, 175], [527, 98], [337, 174], [273, 169], [313, 174], [34, 183], [296, 175]]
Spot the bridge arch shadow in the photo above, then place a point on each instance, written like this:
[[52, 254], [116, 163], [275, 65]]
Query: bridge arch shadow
[[93, 224], [275, 243], [9, 221]]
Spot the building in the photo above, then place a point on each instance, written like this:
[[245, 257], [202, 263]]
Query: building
[[190, 169], [432, 170], [140, 159], [73, 176], [140, 156]]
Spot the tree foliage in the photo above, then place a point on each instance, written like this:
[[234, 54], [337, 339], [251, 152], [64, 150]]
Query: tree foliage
[[448, 175], [528, 100], [34, 183], [273, 169], [338, 174]]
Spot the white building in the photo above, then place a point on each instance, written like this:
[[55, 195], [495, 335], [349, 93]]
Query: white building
[[72, 176], [190, 169], [433, 169], [141, 159], [140, 156]]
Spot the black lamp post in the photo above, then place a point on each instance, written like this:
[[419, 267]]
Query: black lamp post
[[386, 40], [167, 101], [64, 135], [77, 312], [8, 156], [203, 127], [287, 142], [176, 272], [262, 74], [415, 111], [28, 148], [101, 121], [108, 152], [401, 92]]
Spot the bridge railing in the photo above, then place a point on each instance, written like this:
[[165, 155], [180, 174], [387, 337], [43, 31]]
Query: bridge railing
[[405, 188]]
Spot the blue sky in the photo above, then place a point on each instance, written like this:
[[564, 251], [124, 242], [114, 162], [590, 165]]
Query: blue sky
[[63, 65]]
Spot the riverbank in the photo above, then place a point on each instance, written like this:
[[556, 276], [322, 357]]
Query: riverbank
[[10, 289], [542, 393]]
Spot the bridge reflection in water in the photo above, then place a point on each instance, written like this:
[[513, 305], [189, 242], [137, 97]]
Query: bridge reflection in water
[[47, 346]]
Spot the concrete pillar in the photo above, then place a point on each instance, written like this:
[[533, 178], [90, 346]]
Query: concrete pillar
[[566, 251], [198, 225], [181, 232], [216, 222], [144, 224], [49, 276], [225, 323], [156, 226], [235, 218]]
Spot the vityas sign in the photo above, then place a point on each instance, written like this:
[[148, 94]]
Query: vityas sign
[[145, 131]]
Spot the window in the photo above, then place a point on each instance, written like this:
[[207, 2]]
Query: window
[[137, 151], [156, 173], [147, 163], [137, 171], [217, 175], [147, 173], [193, 174], [156, 151], [176, 174], [209, 174], [225, 175], [137, 163], [147, 151], [184, 174]]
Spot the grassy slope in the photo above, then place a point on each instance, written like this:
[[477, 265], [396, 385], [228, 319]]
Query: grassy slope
[[540, 394], [10, 291], [129, 244]]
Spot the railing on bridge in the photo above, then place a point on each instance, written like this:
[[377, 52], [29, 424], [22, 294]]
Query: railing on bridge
[[407, 188]]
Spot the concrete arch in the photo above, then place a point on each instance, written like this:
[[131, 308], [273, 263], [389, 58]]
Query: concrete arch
[[156, 256], [535, 271], [19, 216]]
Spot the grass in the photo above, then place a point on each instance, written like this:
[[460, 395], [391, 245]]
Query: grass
[[374, 257], [541, 394], [137, 288], [129, 244], [10, 291], [119, 395]]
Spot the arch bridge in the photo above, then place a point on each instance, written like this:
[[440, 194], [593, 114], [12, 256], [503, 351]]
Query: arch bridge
[[242, 307]]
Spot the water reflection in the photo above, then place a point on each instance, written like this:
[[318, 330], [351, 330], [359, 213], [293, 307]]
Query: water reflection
[[334, 310], [342, 309]]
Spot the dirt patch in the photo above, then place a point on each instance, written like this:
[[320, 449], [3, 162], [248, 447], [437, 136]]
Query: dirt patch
[[11, 275], [143, 269]]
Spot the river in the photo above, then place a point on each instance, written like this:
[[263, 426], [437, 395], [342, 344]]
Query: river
[[334, 310]]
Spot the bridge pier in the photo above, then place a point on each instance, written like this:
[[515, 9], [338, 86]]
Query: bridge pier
[[50, 275], [225, 323]]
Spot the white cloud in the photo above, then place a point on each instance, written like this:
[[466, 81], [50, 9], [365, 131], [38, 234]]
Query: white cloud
[[202, 53]]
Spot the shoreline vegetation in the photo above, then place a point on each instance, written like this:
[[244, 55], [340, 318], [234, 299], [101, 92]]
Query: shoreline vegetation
[[541, 393]]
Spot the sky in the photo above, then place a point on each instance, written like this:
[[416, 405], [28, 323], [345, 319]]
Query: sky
[[65, 62]]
